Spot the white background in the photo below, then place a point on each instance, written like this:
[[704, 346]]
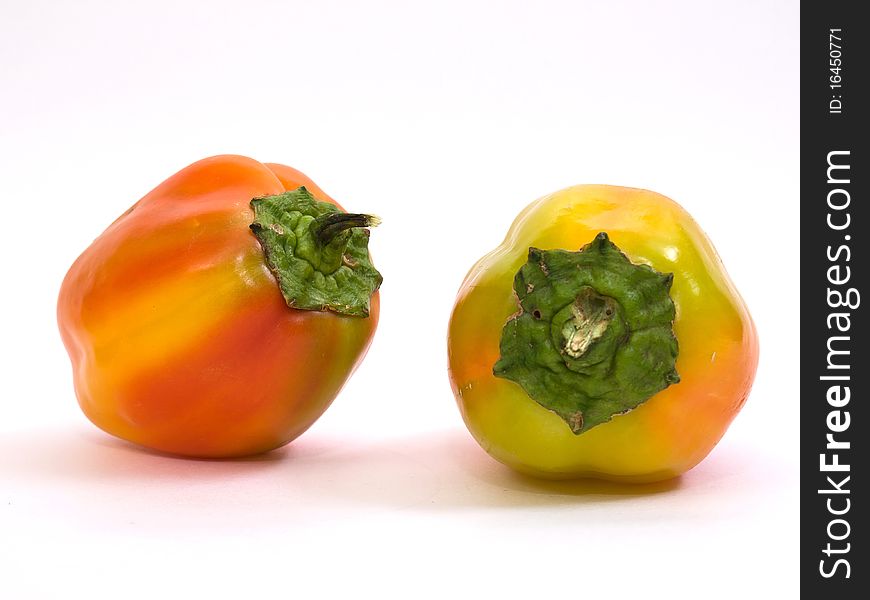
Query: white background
[[445, 118]]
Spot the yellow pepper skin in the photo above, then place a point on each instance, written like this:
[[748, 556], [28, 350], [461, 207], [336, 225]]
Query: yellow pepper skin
[[668, 433]]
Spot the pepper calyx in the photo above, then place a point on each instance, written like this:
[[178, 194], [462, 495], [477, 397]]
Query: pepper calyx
[[318, 254], [594, 335]]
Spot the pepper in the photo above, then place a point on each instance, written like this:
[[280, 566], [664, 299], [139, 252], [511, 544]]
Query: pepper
[[602, 338], [222, 313]]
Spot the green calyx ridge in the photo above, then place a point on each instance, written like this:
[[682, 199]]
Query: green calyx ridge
[[594, 334], [319, 255]]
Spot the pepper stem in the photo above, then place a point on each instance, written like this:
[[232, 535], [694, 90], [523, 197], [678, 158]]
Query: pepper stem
[[318, 254], [326, 227], [591, 314]]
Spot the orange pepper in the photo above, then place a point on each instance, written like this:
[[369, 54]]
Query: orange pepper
[[180, 334]]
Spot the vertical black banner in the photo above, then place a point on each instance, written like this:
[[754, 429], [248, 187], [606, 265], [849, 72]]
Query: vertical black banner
[[834, 227]]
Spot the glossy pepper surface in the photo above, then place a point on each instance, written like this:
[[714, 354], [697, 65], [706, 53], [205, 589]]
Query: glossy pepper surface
[[178, 318], [602, 338]]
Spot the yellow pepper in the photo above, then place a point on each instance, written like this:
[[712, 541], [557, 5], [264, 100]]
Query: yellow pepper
[[602, 338]]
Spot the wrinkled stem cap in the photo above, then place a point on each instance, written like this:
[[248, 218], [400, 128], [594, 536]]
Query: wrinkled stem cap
[[594, 336], [319, 255]]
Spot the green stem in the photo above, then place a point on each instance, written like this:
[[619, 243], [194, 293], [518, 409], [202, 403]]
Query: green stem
[[326, 227]]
